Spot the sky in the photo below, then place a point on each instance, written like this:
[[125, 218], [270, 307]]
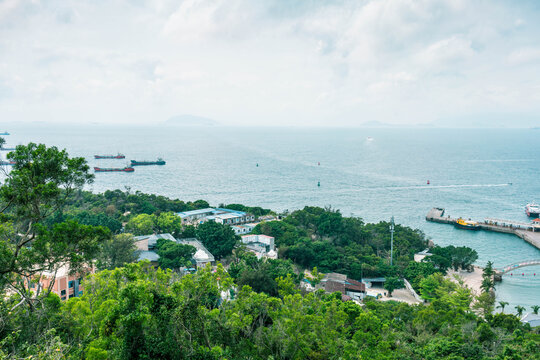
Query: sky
[[272, 62]]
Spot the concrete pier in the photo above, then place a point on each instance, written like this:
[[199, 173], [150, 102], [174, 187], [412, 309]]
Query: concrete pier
[[528, 232]]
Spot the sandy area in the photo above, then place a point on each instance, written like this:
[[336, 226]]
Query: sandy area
[[473, 279], [402, 295]]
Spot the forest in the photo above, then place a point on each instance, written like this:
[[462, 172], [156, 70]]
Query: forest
[[245, 308]]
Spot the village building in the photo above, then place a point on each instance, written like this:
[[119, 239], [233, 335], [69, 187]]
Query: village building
[[219, 215], [244, 229], [350, 289], [146, 249], [65, 285], [261, 245]]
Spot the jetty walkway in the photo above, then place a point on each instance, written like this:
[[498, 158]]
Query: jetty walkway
[[527, 231]]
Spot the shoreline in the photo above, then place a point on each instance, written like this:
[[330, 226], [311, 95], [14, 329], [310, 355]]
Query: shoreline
[[473, 279]]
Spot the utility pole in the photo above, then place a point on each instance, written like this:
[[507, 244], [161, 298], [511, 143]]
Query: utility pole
[[391, 240]]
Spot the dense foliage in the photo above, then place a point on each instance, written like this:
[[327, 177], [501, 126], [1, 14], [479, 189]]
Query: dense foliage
[[138, 312], [323, 238]]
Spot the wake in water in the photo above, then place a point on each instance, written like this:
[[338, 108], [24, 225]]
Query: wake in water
[[427, 187]]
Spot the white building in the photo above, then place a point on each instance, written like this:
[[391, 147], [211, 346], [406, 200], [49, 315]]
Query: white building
[[243, 229], [146, 249], [261, 245], [219, 215], [202, 256]]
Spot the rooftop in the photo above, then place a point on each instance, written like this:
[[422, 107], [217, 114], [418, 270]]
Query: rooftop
[[195, 212], [152, 239]]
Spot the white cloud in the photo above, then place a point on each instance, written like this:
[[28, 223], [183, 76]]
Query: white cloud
[[271, 62], [524, 56]]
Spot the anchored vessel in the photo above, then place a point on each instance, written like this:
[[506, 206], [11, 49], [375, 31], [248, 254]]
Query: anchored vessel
[[125, 169], [3, 162], [467, 224], [7, 148], [533, 210], [159, 161], [118, 156], [4, 133]]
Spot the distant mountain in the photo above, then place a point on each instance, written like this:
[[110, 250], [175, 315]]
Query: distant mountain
[[375, 123], [190, 120]]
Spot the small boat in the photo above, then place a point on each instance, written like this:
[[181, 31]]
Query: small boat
[[369, 138], [3, 162], [4, 133], [532, 210], [125, 169], [7, 148], [159, 161], [467, 224], [428, 182], [117, 156]]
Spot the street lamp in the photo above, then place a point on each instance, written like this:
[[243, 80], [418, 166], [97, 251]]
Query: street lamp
[[391, 239]]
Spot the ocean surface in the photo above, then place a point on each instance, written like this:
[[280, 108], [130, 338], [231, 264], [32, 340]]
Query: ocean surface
[[371, 173]]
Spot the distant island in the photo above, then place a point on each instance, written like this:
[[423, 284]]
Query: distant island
[[190, 120]]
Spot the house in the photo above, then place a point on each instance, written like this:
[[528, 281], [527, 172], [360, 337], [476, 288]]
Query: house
[[66, 285], [219, 215], [333, 282], [202, 256], [146, 249], [261, 245], [269, 218], [244, 229]]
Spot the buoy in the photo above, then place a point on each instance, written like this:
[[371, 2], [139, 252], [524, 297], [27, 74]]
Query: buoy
[[428, 182], [318, 183], [257, 164], [319, 163]]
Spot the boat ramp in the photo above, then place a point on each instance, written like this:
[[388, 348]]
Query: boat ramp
[[529, 232]]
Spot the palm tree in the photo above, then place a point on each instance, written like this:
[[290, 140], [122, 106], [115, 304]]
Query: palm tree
[[519, 310], [535, 309], [501, 305]]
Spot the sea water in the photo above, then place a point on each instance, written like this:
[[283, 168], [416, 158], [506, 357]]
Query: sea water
[[370, 173]]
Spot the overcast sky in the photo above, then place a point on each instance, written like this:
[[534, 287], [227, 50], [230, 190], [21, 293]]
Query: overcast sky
[[282, 62]]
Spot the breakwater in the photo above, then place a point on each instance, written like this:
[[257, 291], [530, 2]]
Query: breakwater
[[528, 232]]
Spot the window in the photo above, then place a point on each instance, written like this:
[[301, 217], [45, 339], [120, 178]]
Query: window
[[71, 284], [63, 292], [63, 298]]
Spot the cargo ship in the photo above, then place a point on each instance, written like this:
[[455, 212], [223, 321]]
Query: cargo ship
[[3, 162], [125, 169], [159, 161], [532, 210], [4, 133], [467, 224], [117, 156], [7, 148]]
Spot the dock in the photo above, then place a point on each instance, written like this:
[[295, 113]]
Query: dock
[[527, 231]]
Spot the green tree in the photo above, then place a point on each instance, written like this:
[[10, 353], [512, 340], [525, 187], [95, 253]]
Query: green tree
[[37, 186], [535, 309], [487, 284], [168, 222], [188, 231], [117, 251], [519, 310], [501, 305], [488, 270], [393, 283], [173, 255], [219, 239], [485, 303], [142, 224]]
